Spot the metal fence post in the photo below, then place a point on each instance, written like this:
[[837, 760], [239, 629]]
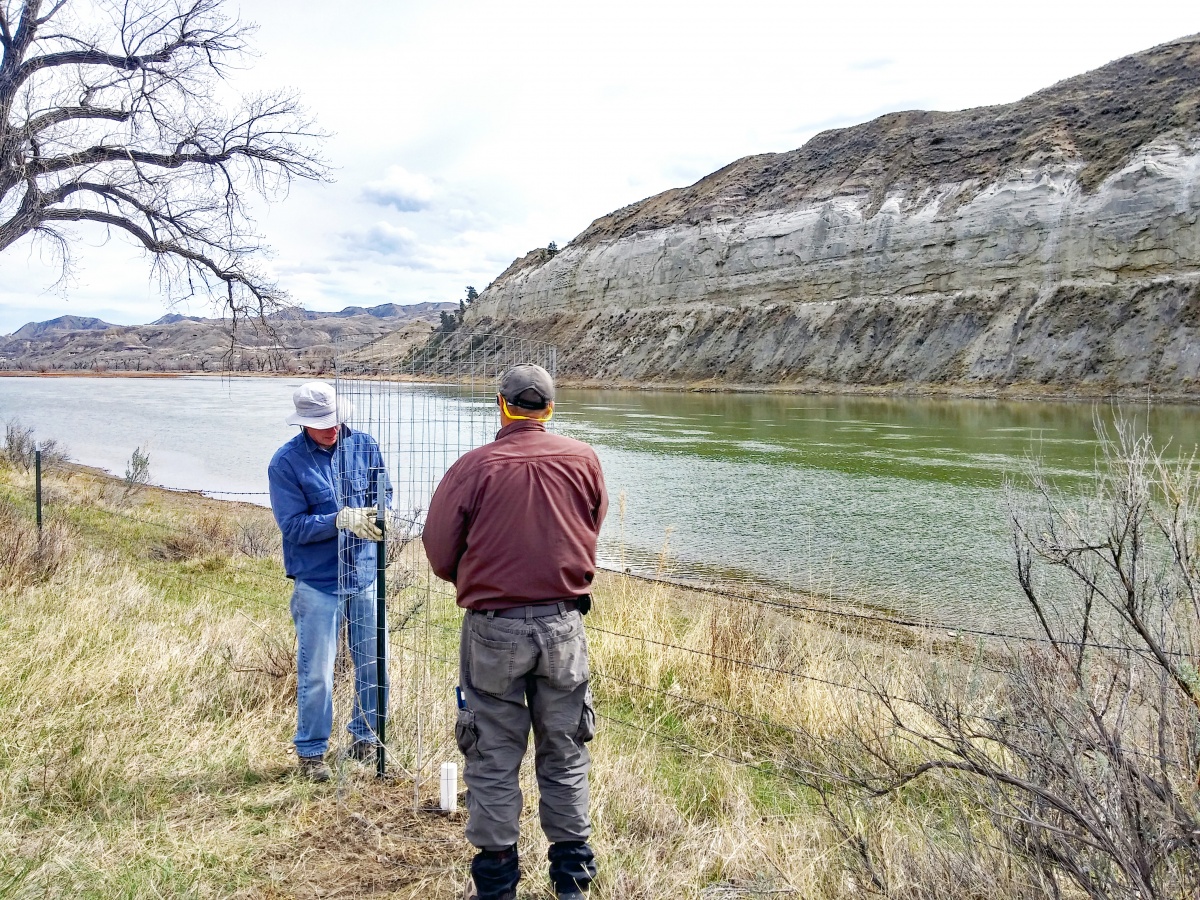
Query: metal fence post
[[381, 624], [37, 480]]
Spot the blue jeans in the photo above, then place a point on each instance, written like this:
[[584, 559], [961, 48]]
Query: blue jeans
[[318, 617]]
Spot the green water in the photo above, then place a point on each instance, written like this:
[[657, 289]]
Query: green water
[[891, 502]]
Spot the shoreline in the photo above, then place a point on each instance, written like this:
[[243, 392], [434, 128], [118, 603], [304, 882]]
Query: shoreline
[[1019, 393]]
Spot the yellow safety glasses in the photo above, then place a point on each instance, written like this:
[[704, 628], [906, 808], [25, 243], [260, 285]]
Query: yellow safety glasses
[[508, 412]]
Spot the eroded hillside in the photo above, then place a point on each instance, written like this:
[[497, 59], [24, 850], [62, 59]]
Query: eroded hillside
[[1049, 245]]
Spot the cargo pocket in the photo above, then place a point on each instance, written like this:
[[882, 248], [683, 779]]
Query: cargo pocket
[[568, 659], [466, 734], [321, 499], [491, 665], [587, 719]]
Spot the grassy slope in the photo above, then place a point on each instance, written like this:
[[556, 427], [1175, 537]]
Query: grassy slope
[[147, 686]]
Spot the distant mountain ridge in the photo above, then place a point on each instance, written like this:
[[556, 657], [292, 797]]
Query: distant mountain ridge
[[32, 330], [293, 340]]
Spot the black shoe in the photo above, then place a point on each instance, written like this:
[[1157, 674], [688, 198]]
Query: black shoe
[[572, 869], [362, 750]]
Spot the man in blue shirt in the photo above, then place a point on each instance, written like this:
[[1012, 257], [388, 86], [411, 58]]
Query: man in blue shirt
[[323, 486]]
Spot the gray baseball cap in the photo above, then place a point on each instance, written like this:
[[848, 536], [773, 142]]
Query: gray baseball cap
[[519, 379]]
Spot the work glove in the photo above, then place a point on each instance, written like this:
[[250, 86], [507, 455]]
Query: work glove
[[361, 521]]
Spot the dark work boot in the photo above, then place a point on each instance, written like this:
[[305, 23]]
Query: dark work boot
[[494, 875], [572, 868], [314, 768]]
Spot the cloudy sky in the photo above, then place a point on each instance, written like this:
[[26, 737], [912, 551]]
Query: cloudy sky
[[467, 132]]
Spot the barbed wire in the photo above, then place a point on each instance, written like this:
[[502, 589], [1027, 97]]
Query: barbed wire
[[279, 576], [779, 604], [874, 692]]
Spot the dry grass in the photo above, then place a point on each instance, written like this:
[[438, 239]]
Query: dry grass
[[146, 678], [29, 557]]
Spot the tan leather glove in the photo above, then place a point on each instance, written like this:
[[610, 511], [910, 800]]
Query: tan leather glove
[[361, 521]]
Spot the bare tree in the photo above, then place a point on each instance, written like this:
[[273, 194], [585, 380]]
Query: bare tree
[[119, 113]]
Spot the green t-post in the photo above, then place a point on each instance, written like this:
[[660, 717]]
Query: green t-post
[[37, 468], [381, 623]]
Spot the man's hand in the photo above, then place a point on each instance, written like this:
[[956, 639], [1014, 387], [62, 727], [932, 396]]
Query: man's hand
[[361, 521]]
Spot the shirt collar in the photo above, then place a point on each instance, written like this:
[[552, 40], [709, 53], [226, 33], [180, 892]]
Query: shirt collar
[[514, 427]]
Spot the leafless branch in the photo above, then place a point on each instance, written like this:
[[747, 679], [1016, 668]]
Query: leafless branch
[[111, 116], [1083, 751]]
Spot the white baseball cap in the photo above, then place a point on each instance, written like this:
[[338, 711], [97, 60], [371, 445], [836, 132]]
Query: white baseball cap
[[316, 406]]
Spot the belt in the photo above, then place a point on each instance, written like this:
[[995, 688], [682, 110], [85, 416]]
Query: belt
[[532, 611]]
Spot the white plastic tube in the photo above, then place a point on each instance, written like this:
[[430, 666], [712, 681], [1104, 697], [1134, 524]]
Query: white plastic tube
[[449, 787]]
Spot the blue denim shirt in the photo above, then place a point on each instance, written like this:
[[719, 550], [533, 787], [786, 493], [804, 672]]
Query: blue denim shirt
[[309, 484]]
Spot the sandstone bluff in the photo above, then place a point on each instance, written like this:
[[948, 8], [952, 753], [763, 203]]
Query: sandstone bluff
[[1048, 246]]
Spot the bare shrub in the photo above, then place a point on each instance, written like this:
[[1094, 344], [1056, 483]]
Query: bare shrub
[[214, 530], [215, 534], [257, 539], [270, 656], [204, 536], [137, 470], [29, 558], [18, 445], [1081, 749], [20, 448]]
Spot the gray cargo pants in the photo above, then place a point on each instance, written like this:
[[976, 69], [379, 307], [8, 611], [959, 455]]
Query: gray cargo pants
[[515, 673]]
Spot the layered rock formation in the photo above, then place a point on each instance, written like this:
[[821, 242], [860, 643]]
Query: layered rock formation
[[1050, 245]]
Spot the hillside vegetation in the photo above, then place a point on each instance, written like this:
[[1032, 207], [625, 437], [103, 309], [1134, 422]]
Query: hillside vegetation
[[291, 342]]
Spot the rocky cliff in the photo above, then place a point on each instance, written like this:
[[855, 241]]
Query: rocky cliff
[[1046, 246]]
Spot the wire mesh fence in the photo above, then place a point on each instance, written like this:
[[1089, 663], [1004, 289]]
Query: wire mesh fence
[[422, 412]]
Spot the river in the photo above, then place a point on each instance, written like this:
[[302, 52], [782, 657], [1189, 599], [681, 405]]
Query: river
[[897, 503]]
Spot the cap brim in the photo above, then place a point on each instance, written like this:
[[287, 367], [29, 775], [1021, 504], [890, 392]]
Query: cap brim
[[326, 421]]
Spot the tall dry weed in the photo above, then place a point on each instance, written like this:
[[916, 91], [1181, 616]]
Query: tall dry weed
[[29, 557]]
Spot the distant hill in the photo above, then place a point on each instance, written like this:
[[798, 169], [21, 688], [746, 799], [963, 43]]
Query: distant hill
[[295, 340], [62, 324], [383, 311], [172, 318]]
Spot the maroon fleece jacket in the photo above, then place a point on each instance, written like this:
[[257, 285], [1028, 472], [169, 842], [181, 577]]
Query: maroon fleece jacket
[[516, 521]]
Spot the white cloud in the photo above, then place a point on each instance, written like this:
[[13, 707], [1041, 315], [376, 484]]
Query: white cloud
[[404, 190]]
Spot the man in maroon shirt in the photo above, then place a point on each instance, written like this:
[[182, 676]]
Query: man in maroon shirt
[[514, 525]]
